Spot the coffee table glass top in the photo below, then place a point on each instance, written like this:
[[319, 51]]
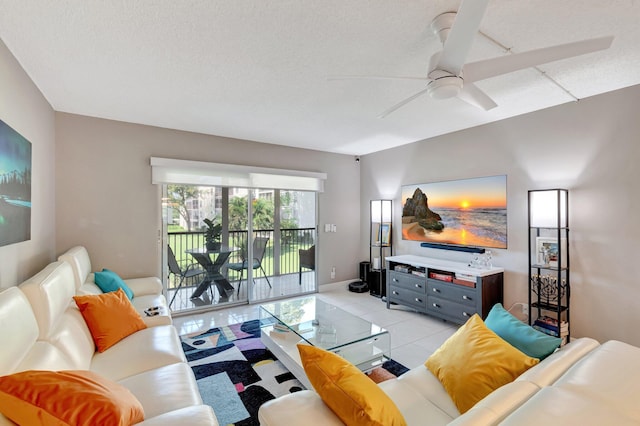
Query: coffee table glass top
[[324, 325]]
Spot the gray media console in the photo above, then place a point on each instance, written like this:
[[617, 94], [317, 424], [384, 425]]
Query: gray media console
[[445, 289]]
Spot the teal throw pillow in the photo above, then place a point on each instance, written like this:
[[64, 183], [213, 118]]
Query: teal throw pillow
[[109, 281], [520, 335]]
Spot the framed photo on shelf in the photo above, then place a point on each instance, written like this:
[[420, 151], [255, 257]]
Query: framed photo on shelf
[[384, 233], [547, 251]]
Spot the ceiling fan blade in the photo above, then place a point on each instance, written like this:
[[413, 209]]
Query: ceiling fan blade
[[472, 95], [461, 36], [403, 103], [487, 68], [374, 77]]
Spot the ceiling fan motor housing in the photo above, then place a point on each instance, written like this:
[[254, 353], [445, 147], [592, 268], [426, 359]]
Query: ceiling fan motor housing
[[441, 25]]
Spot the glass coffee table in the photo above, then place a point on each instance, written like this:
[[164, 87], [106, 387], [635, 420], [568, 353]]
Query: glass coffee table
[[311, 321]]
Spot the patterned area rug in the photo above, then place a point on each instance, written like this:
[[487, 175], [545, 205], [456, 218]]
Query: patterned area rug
[[236, 374]]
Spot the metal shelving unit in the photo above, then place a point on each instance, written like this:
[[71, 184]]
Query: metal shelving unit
[[380, 244], [549, 278]]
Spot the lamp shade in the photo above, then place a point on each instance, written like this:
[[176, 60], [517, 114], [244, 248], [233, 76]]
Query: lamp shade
[[548, 208], [380, 211]]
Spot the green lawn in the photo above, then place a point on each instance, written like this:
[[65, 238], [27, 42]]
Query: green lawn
[[289, 260]]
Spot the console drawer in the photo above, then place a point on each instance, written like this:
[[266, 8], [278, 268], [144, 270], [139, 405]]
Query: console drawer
[[408, 281], [407, 297], [447, 309], [456, 293]]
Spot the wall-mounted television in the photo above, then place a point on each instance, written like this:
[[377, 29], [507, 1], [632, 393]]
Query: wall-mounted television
[[465, 212]]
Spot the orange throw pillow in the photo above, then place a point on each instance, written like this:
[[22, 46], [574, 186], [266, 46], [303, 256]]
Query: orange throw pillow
[[110, 317], [79, 398]]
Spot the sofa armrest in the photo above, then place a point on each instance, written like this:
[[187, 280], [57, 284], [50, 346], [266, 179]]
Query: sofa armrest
[[144, 286], [299, 408]]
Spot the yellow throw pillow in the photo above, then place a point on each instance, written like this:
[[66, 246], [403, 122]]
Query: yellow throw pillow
[[350, 394], [474, 362], [79, 398], [110, 317]]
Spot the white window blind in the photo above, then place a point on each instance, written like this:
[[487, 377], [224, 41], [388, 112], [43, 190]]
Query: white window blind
[[185, 172]]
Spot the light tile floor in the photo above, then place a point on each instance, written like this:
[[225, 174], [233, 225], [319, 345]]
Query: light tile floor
[[414, 336]]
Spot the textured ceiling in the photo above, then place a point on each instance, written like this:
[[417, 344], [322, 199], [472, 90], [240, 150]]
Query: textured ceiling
[[257, 69]]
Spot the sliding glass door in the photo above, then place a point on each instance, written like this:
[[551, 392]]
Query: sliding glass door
[[266, 240]]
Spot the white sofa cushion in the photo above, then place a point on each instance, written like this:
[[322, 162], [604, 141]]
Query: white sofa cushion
[[78, 258], [19, 329], [199, 415], [142, 351], [415, 408], [164, 389], [18, 332], [144, 286], [144, 302], [50, 292], [303, 407], [602, 387], [558, 406], [422, 381], [556, 364], [497, 405]]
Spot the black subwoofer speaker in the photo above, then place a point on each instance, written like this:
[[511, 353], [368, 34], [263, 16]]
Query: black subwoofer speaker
[[365, 267], [378, 283]]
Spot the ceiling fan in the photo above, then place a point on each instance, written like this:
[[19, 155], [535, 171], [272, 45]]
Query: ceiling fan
[[450, 76]]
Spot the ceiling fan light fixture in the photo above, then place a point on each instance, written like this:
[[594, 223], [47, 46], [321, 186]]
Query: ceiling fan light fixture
[[445, 87]]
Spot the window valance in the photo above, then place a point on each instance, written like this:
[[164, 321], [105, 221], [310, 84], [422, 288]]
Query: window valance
[[186, 172]]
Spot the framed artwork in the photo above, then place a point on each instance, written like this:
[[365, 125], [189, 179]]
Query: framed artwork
[[15, 186], [547, 251], [384, 233]]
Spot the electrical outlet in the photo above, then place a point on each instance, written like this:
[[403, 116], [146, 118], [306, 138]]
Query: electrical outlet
[[525, 309], [333, 273]]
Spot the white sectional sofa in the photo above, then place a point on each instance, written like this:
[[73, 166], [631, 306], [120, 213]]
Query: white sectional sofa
[[42, 329], [583, 383], [147, 291]]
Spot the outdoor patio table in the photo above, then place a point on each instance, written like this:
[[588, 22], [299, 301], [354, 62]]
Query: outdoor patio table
[[212, 268]]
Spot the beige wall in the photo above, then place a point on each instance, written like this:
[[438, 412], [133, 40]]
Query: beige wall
[[590, 147], [23, 107], [106, 202]]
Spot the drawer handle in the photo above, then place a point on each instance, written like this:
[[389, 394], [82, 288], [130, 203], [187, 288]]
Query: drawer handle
[[464, 314], [395, 280], [435, 305], [435, 290], [418, 300], [418, 286], [395, 292], [465, 297]]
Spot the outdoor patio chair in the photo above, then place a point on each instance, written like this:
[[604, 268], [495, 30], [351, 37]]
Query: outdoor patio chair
[[192, 270], [307, 260], [259, 248]]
